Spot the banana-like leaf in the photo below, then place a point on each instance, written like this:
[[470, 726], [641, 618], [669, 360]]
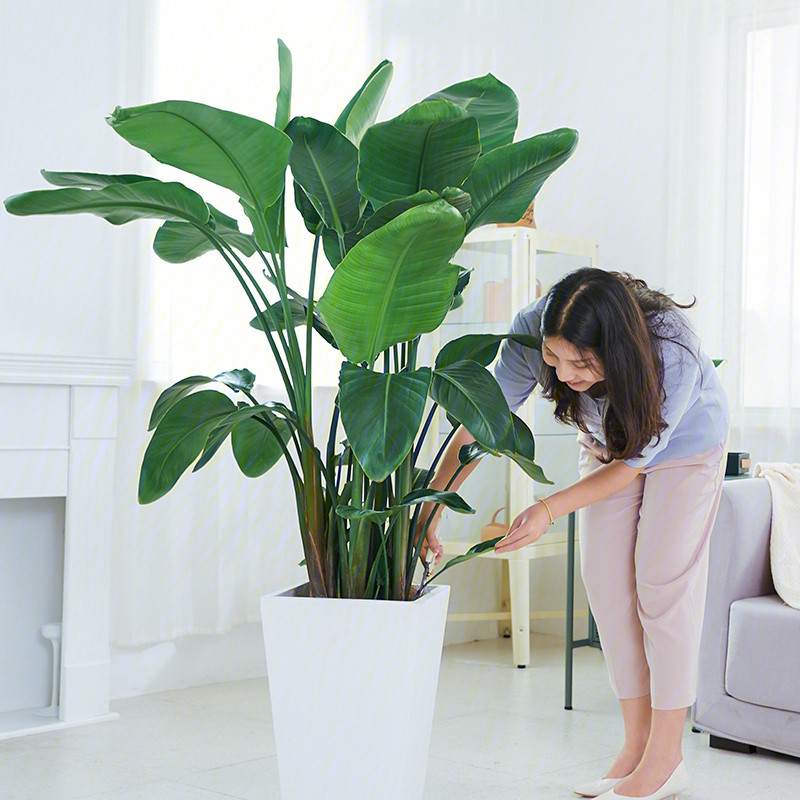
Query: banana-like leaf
[[266, 225], [243, 154], [118, 203], [394, 208], [335, 247], [480, 347], [523, 438], [240, 380], [395, 284], [306, 208], [494, 104], [324, 163], [299, 311], [451, 500], [378, 516], [432, 145], [89, 180], [362, 110], [504, 181], [473, 452], [469, 392], [381, 414], [457, 198], [170, 396], [179, 242], [256, 448], [532, 470], [283, 103], [475, 550], [178, 440]]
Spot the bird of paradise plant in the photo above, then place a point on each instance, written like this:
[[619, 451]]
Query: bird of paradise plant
[[389, 203]]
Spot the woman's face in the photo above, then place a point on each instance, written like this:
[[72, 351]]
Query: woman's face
[[579, 371]]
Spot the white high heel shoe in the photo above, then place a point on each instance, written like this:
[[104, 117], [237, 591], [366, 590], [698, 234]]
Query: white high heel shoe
[[596, 788], [676, 783]]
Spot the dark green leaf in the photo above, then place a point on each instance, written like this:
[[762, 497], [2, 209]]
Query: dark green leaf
[[378, 517], [524, 443], [90, 180], [451, 500], [395, 284], [179, 242], [381, 414], [283, 103], [476, 550], [299, 311], [237, 379], [170, 396], [432, 145], [493, 104], [480, 347], [255, 447], [243, 154], [362, 110], [324, 163], [472, 452], [504, 181], [394, 208], [118, 203], [533, 471], [458, 198], [306, 208], [470, 393], [178, 441], [332, 245]]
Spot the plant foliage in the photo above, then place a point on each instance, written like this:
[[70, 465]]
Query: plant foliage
[[390, 203]]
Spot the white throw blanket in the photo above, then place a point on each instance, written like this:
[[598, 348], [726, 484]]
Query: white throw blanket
[[784, 546]]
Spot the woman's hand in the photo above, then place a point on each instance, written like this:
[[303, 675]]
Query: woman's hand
[[527, 528], [431, 541]]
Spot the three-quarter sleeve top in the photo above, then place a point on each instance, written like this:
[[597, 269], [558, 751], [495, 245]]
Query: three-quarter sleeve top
[[695, 407]]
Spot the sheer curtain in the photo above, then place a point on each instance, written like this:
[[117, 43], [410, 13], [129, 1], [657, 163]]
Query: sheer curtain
[[198, 560], [735, 237]]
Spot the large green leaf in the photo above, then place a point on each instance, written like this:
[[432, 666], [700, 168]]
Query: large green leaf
[[381, 414], [324, 163], [394, 208], [256, 448], [242, 154], [451, 500], [179, 242], [89, 180], [480, 347], [178, 440], [432, 145], [493, 104], [298, 308], [172, 395], [283, 103], [362, 110], [311, 218], [504, 181], [395, 284], [118, 203], [469, 393], [475, 550]]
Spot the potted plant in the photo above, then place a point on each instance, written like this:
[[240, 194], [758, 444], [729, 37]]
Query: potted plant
[[389, 204]]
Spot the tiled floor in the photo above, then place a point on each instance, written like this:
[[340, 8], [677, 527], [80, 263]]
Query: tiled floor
[[499, 734]]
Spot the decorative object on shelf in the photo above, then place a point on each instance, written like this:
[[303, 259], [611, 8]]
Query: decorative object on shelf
[[497, 301], [390, 204], [738, 464], [525, 221], [494, 528]]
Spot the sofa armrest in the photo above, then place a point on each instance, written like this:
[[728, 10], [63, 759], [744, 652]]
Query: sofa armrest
[[738, 567]]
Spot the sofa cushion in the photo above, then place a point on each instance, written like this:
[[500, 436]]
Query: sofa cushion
[[764, 653]]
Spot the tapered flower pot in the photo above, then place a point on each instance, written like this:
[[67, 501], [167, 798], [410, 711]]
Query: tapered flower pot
[[353, 685]]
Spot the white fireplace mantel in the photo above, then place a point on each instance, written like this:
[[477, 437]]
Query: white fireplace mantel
[[58, 436]]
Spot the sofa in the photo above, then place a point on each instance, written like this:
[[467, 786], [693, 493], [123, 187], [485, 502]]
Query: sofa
[[748, 692]]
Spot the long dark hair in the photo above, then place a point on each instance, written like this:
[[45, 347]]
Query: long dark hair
[[621, 322]]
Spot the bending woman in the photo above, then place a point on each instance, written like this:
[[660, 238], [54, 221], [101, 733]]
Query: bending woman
[[621, 363]]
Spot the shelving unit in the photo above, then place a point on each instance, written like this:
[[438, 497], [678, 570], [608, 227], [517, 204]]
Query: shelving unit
[[511, 268]]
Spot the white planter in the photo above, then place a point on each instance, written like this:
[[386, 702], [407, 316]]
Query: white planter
[[353, 685]]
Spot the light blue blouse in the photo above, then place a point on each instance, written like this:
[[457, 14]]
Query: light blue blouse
[[695, 408]]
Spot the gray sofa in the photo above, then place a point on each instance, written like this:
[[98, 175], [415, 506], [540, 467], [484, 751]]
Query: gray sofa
[[748, 692]]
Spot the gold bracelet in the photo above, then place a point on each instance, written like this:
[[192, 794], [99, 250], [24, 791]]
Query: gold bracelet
[[550, 513]]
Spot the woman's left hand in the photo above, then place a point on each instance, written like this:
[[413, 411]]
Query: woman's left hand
[[527, 528]]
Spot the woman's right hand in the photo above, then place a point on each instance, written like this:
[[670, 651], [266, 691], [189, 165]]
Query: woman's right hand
[[431, 541]]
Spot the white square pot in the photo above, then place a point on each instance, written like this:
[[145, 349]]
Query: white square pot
[[353, 685]]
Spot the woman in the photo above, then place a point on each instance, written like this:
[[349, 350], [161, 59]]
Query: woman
[[622, 364]]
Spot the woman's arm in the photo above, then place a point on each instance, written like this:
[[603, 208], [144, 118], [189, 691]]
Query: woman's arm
[[448, 466], [603, 482]]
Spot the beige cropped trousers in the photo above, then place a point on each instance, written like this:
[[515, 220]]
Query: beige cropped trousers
[[644, 562]]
